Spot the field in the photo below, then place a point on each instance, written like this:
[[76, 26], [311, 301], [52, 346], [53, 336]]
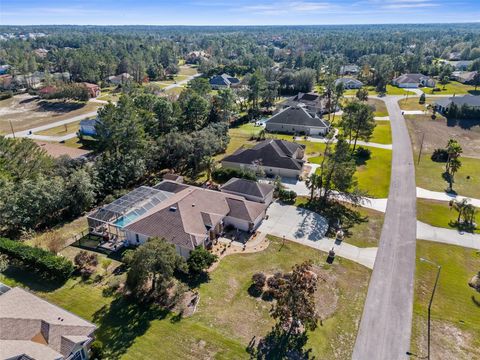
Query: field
[[453, 87], [437, 213], [456, 306], [382, 133], [411, 103], [26, 111], [227, 317], [380, 107], [391, 90], [61, 130]]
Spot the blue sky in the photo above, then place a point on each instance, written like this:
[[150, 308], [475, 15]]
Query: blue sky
[[237, 12]]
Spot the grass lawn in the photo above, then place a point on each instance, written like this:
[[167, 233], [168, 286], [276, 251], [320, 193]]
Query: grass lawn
[[453, 87], [437, 213], [456, 306], [188, 70], [391, 90], [380, 107], [411, 103], [227, 317], [382, 133], [61, 130], [429, 176]]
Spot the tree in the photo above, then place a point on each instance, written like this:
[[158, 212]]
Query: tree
[[210, 164], [4, 262], [224, 103], [200, 260], [476, 80], [151, 269], [195, 110], [362, 94], [200, 85], [422, 99], [357, 122], [257, 85], [338, 95], [313, 183], [459, 206], [444, 80], [453, 164]]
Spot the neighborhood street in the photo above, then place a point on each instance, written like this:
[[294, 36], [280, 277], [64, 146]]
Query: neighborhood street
[[386, 323]]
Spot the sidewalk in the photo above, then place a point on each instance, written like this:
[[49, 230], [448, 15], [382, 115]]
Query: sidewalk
[[447, 236], [443, 196], [359, 142]]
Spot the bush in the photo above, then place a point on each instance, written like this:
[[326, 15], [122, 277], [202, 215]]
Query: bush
[[222, 175], [363, 153], [96, 350], [199, 260], [258, 282], [422, 99], [287, 196], [440, 155], [42, 261], [86, 262]]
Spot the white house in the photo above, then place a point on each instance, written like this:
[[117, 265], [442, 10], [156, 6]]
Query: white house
[[413, 81], [349, 83], [297, 120]]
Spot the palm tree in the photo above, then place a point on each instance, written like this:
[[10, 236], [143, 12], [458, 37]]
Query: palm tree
[[460, 207], [469, 213], [313, 182], [455, 165]]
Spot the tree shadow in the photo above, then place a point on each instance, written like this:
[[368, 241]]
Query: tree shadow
[[32, 280], [475, 301], [474, 92], [122, 322], [59, 107], [466, 124]]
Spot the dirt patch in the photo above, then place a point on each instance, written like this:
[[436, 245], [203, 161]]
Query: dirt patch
[[26, 111], [438, 132], [326, 296], [447, 342]]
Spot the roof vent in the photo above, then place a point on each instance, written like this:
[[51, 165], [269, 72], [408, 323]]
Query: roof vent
[[193, 205], [173, 208]]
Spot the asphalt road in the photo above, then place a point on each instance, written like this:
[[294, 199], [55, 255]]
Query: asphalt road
[[385, 328]]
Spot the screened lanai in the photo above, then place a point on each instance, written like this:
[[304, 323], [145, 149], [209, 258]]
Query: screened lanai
[[109, 220]]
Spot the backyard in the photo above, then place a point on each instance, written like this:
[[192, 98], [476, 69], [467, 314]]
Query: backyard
[[456, 307], [218, 329], [452, 88]]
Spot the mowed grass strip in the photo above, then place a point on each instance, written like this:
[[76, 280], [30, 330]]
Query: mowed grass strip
[[455, 306], [382, 133]]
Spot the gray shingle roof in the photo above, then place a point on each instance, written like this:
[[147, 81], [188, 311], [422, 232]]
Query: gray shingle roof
[[469, 100], [409, 78], [224, 79], [247, 187], [297, 115], [272, 152]]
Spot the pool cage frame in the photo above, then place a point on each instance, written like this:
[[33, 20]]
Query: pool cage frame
[[104, 221]]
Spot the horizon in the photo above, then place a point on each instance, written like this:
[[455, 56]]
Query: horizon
[[242, 13]]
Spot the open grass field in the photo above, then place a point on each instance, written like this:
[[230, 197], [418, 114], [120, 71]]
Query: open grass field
[[380, 107], [188, 70], [456, 306], [382, 133], [453, 87], [61, 130], [438, 213], [26, 111], [227, 317], [411, 103], [391, 90]]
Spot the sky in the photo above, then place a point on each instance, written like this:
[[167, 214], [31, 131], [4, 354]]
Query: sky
[[236, 12]]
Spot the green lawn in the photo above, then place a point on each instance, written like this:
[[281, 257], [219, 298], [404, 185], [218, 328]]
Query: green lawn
[[188, 70], [437, 213], [411, 103], [382, 133], [456, 306], [380, 107], [61, 130], [391, 90], [453, 87], [227, 317], [429, 176]]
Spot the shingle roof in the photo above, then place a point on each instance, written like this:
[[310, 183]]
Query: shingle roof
[[347, 80], [469, 100], [297, 115], [247, 187], [409, 78], [223, 79], [184, 218], [272, 152]]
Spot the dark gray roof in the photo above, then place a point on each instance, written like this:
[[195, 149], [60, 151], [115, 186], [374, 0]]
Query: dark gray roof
[[272, 152], [88, 122], [223, 79], [247, 187], [170, 186], [409, 78], [297, 115], [469, 100]]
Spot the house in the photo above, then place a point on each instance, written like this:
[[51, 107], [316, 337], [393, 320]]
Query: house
[[413, 81], [460, 64], [93, 89], [349, 83], [349, 70], [313, 102], [195, 57], [41, 53], [297, 120], [249, 189], [185, 216], [223, 81], [272, 157], [87, 127], [464, 77], [4, 69], [471, 101], [33, 328], [454, 55], [119, 79]]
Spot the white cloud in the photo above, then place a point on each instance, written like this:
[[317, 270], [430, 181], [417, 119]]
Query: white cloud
[[289, 7]]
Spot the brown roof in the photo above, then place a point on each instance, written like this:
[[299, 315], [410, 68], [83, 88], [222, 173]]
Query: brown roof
[[185, 218], [57, 150]]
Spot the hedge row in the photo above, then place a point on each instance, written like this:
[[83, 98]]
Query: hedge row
[[39, 260], [222, 175]]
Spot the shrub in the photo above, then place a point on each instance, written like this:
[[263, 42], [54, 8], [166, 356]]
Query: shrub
[[363, 153], [222, 175], [440, 155], [199, 260], [259, 279], [96, 350], [86, 262], [422, 99], [39, 260], [287, 196]]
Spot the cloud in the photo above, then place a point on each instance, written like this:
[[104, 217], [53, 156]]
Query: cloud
[[289, 7], [408, 4]]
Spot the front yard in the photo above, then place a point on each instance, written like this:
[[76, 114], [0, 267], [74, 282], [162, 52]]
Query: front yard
[[452, 88], [456, 306], [227, 317]]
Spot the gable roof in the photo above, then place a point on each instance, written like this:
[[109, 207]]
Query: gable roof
[[247, 187], [469, 100], [272, 152], [185, 218], [410, 78], [346, 80], [297, 115], [465, 75], [224, 79]]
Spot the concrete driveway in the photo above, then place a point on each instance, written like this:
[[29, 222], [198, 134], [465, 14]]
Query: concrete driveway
[[294, 223]]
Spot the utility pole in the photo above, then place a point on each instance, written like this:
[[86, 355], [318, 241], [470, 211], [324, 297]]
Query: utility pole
[[421, 148], [11, 127], [431, 300]]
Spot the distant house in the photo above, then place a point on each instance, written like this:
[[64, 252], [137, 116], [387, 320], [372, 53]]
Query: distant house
[[249, 189], [454, 55], [272, 157], [349, 70], [464, 77], [6, 81], [195, 57], [32, 328], [4, 69], [87, 127], [297, 120], [471, 101], [460, 64], [119, 79], [413, 81], [186, 216], [93, 89], [313, 102], [41, 53], [349, 83], [223, 81]]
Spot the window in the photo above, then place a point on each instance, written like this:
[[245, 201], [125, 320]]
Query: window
[[137, 238], [79, 355]]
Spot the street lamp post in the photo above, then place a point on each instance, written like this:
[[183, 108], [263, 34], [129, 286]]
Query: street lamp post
[[431, 300]]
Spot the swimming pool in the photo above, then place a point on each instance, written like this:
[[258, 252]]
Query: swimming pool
[[123, 221]]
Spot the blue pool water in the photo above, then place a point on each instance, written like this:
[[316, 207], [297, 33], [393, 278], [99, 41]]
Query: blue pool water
[[125, 220]]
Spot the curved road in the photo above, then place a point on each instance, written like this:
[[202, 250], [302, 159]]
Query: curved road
[[386, 323]]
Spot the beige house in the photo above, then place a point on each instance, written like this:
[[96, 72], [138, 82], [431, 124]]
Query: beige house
[[32, 328]]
